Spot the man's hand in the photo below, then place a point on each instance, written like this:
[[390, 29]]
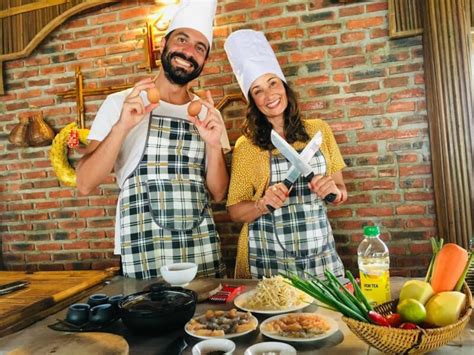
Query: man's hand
[[212, 126], [134, 109]]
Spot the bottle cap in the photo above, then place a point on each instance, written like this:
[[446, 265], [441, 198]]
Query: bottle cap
[[371, 231]]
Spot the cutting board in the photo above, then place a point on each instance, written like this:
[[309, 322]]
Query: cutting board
[[75, 344], [47, 293]]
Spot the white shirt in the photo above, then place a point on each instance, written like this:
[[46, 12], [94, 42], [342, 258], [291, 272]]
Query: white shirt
[[133, 146]]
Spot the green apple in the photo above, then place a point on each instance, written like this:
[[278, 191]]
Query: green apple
[[444, 308], [416, 289]]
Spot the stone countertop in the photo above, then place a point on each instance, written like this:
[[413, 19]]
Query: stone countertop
[[342, 342]]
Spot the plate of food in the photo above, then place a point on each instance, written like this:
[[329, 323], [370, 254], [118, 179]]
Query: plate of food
[[299, 327], [221, 324], [273, 296]]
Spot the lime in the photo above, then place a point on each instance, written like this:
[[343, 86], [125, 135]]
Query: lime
[[411, 310]]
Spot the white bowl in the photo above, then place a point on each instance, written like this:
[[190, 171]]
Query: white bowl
[[271, 346], [206, 346], [179, 274]]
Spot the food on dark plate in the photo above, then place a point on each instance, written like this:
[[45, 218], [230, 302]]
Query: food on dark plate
[[221, 323]]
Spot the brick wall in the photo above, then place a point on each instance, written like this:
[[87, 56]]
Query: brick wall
[[338, 58]]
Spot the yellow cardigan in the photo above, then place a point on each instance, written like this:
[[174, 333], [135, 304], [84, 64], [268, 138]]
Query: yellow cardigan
[[250, 176]]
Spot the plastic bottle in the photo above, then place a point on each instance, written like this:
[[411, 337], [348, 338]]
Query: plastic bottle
[[374, 264]]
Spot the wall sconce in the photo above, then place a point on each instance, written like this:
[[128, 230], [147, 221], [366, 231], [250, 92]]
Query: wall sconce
[[158, 22]]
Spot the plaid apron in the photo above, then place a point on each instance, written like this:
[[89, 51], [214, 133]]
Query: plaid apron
[[297, 237], [165, 215]]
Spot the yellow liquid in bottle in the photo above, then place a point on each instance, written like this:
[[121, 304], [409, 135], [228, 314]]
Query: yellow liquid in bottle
[[375, 279]]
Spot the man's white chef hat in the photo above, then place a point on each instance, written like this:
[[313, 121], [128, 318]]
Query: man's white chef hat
[[251, 56], [195, 14]]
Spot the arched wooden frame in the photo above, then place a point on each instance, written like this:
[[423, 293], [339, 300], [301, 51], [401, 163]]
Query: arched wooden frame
[[46, 30]]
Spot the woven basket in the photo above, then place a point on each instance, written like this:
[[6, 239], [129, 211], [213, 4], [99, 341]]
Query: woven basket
[[401, 341]]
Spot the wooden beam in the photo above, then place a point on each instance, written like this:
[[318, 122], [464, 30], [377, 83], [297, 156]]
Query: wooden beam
[[30, 7]]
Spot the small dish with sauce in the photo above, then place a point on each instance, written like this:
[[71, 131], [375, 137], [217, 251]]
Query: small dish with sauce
[[271, 348], [214, 347]]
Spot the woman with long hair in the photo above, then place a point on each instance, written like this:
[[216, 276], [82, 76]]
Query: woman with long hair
[[285, 230]]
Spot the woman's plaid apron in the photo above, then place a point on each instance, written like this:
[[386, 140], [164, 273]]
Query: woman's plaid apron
[[296, 237], [165, 215]]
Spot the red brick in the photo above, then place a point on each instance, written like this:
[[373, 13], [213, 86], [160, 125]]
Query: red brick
[[117, 27], [91, 212], [239, 5], [410, 210], [380, 6], [91, 53], [352, 37], [374, 212], [83, 43], [365, 111], [395, 82], [324, 29], [103, 18], [364, 23], [401, 107], [344, 212], [377, 185], [306, 56], [388, 197], [415, 170], [267, 12], [420, 222], [350, 10], [348, 62], [419, 196], [359, 149], [421, 248]]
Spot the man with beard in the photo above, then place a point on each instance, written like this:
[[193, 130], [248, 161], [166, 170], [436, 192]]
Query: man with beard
[[168, 164]]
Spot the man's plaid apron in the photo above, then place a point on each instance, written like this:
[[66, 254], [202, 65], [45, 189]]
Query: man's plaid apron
[[296, 237], [164, 208]]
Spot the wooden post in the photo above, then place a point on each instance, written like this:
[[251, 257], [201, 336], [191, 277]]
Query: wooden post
[[447, 52]]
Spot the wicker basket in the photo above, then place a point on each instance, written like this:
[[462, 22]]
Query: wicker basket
[[400, 341]]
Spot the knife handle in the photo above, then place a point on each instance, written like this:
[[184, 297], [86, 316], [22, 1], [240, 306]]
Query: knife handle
[[330, 198], [288, 185]]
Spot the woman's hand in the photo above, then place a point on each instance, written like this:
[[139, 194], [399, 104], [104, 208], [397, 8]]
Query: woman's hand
[[134, 109], [324, 185], [212, 126], [275, 196]]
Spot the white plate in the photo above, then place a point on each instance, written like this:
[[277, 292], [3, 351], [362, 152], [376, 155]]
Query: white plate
[[227, 336], [271, 346], [240, 300], [332, 323]]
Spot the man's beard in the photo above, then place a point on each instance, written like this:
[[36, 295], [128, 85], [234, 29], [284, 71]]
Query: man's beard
[[178, 75]]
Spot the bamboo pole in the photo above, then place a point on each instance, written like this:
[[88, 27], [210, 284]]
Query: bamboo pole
[[447, 50]]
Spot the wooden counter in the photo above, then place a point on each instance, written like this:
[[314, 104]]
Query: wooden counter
[[47, 293], [342, 342]]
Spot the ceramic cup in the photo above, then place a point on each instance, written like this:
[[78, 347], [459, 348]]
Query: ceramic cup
[[99, 298], [78, 313], [101, 314]]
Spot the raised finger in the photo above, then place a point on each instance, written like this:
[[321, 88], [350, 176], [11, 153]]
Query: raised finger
[[209, 98]]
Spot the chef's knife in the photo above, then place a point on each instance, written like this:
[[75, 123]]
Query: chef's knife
[[308, 152], [292, 155]]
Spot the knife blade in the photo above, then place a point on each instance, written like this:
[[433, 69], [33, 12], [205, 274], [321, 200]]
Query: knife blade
[[307, 153], [292, 155]]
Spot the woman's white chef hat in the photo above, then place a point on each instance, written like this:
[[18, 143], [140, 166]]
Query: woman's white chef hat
[[251, 56], [195, 14]]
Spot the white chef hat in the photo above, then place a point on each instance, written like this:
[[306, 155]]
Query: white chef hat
[[251, 56], [195, 14]]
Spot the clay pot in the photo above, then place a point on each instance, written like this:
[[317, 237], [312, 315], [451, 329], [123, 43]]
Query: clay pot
[[19, 134], [39, 132]]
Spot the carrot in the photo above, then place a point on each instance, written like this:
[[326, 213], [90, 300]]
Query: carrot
[[448, 267]]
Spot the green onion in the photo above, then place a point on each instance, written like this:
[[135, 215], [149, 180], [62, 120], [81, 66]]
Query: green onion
[[332, 294], [464, 273], [358, 292], [436, 247]]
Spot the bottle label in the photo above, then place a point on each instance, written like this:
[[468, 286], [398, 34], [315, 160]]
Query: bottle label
[[376, 287]]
